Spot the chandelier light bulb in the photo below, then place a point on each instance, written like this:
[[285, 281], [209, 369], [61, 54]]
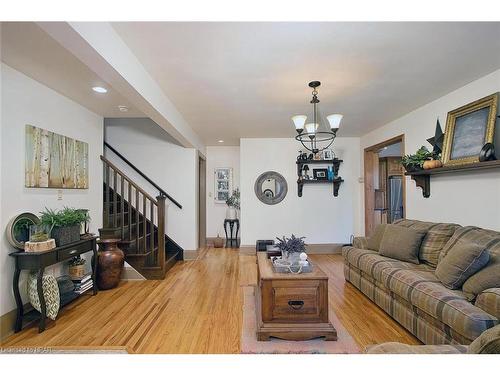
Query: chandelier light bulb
[[311, 127], [334, 120], [299, 122]]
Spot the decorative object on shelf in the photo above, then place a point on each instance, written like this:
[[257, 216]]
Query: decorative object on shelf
[[437, 141], [18, 229], [306, 176], [317, 156], [55, 161], [223, 178], [320, 174], [233, 204], [316, 139], [271, 187], [468, 128], [65, 224], [35, 247], [331, 174], [291, 248], [218, 241], [76, 268], [416, 161], [487, 153], [431, 164], [109, 264], [50, 292], [328, 154], [302, 156], [39, 232]]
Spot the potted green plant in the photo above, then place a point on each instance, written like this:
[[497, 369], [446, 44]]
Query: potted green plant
[[233, 204], [64, 224], [291, 248], [415, 162]]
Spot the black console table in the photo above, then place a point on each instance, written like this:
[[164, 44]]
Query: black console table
[[38, 261], [230, 240]]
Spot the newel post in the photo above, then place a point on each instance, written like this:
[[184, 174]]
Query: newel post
[[161, 229]]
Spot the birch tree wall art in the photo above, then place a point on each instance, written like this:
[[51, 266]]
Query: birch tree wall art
[[55, 161]]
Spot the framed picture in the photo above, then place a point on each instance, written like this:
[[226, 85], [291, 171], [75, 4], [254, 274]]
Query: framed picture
[[468, 128], [328, 154], [223, 178], [320, 174]]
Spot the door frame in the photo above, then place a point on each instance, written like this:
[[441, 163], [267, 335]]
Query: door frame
[[369, 172], [202, 201]]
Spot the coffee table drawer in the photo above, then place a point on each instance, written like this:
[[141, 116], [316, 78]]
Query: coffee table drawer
[[293, 301]]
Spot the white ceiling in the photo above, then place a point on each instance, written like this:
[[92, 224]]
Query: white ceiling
[[232, 80], [27, 48]]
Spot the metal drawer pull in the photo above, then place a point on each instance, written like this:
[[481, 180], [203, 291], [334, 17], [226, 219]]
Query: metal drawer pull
[[73, 252], [296, 305]]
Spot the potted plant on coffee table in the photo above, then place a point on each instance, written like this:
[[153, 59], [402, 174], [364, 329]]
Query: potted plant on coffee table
[[65, 224], [291, 248]]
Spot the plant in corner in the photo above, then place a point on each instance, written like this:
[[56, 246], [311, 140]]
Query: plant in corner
[[415, 162], [64, 224], [233, 203]]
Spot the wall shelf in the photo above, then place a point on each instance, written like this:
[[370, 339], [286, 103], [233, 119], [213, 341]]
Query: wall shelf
[[423, 178], [336, 182]]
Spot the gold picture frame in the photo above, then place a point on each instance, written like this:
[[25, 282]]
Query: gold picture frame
[[468, 128]]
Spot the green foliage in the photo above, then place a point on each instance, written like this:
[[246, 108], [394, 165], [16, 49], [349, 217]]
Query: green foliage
[[66, 217], [76, 261], [417, 160], [292, 244], [234, 199]]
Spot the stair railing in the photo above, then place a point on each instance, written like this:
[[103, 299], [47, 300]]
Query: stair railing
[[148, 212]]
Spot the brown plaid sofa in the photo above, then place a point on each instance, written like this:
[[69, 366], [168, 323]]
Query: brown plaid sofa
[[412, 294]]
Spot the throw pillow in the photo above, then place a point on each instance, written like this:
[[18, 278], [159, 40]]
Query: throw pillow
[[463, 260], [401, 243], [50, 293], [375, 240], [487, 343], [488, 277]]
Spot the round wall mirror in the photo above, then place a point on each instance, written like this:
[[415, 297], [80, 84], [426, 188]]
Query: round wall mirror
[[271, 187], [18, 229]]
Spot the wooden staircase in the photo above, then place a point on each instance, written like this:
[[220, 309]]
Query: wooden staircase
[[138, 220]]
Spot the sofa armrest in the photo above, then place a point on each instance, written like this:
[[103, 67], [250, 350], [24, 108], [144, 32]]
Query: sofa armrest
[[489, 301], [360, 242]]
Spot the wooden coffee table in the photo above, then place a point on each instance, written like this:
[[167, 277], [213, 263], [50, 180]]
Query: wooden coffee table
[[290, 306]]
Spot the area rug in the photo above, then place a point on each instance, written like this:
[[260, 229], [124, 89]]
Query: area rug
[[345, 344]]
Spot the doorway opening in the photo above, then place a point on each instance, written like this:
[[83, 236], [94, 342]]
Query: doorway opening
[[385, 183]]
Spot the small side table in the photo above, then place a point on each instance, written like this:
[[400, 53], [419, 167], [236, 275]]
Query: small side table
[[230, 240]]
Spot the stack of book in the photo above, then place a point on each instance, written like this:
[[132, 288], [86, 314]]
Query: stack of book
[[83, 284]]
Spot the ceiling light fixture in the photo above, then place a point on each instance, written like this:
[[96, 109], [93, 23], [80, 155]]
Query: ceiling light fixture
[[220, 141], [99, 89], [123, 108], [312, 139]]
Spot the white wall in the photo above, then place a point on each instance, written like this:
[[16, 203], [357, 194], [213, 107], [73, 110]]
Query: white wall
[[471, 198], [317, 215], [172, 167], [25, 101], [219, 157]]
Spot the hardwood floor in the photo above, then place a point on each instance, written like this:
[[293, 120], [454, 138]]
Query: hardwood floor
[[196, 309]]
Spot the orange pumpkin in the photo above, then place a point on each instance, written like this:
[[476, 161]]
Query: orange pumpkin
[[431, 164]]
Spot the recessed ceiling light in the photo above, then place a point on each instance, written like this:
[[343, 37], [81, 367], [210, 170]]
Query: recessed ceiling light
[[123, 108], [220, 141], [99, 89]]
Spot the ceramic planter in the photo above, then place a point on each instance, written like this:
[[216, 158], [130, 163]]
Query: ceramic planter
[[66, 235]]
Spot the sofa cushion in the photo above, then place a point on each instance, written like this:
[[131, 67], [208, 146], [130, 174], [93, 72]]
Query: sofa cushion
[[372, 263], [375, 240], [489, 239], [488, 277], [487, 343], [489, 301], [401, 243], [399, 348], [463, 260]]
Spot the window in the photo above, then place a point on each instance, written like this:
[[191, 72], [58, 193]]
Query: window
[[223, 184]]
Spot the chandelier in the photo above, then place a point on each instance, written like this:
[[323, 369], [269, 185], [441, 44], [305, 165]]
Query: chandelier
[[314, 138]]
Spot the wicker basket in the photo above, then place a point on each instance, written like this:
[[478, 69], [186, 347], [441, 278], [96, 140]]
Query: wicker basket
[[77, 272], [66, 235]]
